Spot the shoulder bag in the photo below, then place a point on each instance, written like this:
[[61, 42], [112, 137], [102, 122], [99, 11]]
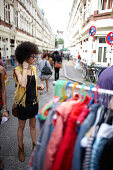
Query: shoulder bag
[[15, 106], [46, 70], [58, 65]]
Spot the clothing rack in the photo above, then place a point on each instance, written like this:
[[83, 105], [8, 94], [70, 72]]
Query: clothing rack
[[94, 89]]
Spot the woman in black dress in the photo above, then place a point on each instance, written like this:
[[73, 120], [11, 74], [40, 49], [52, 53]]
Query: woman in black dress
[[26, 79]]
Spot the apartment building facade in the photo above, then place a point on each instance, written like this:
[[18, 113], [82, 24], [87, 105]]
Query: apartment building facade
[[84, 14], [22, 20]]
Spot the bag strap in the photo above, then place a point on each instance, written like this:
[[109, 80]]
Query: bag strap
[[27, 88], [46, 63]]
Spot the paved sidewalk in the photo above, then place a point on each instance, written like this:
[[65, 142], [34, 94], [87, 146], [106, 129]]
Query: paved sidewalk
[[74, 75]]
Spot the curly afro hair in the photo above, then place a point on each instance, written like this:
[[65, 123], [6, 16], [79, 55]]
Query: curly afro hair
[[25, 50]]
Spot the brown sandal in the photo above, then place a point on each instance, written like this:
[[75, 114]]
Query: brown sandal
[[21, 156]]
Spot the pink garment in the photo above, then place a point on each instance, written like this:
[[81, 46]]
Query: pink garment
[[62, 112]]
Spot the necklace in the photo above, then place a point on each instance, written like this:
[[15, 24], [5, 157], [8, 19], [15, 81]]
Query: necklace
[[29, 68]]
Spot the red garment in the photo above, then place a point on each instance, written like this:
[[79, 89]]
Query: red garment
[[83, 115], [63, 159]]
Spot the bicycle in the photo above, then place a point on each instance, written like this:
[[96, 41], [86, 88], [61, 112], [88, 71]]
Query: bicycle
[[91, 72], [84, 70]]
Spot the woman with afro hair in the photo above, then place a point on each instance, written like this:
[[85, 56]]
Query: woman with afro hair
[[26, 80]]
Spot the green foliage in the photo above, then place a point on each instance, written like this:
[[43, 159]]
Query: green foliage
[[60, 41], [43, 51]]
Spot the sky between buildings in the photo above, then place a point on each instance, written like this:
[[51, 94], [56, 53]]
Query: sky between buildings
[[56, 12]]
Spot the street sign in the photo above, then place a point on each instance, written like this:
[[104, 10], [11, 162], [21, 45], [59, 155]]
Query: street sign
[[109, 38], [92, 30]]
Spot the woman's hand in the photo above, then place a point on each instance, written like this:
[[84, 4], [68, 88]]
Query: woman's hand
[[41, 87], [25, 65]]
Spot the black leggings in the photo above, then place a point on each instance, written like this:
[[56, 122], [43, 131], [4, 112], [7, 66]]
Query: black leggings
[[56, 74]]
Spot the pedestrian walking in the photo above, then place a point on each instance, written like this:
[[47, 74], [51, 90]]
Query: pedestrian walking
[[43, 76], [50, 59], [77, 65], [57, 61], [3, 105], [26, 79]]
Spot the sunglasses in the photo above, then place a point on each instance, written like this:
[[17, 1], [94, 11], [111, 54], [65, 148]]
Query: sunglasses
[[33, 56]]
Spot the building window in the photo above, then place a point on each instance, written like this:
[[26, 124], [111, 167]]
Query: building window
[[6, 8], [16, 18], [4, 47], [102, 40], [106, 4], [102, 55]]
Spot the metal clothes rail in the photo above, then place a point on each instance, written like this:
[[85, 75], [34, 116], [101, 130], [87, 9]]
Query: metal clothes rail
[[87, 88]]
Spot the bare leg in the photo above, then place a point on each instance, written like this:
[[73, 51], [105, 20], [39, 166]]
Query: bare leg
[[47, 84], [41, 82], [32, 125], [21, 125]]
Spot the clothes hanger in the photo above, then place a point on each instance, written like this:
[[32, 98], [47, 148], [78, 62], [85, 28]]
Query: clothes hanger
[[66, 87], [92, 99], [43, 114], [60, 89], [59, 96], [83, 92], [73, 89], [64, 92]]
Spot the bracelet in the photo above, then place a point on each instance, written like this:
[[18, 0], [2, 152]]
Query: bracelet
[[5, 110], [24, 67]]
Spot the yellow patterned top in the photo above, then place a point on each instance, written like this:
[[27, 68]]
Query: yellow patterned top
[[20, 90]]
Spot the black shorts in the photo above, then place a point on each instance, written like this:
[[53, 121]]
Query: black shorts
[[27, 112]]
